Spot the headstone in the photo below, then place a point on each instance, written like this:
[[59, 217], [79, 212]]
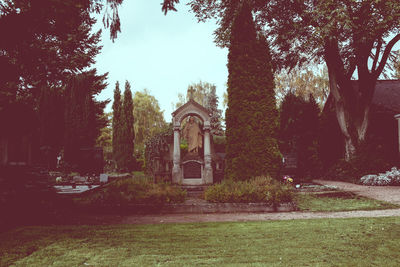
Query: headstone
[[192, 169], [103, 178]]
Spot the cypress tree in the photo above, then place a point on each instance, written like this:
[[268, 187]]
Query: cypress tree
[[251, 116], [127, 133], [117, 125]]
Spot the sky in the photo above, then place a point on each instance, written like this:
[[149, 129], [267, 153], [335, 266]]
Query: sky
[[163, 53]]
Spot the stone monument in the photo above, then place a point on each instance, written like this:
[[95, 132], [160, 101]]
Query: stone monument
[[192, 168]]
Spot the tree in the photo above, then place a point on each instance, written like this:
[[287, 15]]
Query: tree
[[201, 91], [354, 38], [117, 123], [84, 116], [149, 118], [335, 31], [127, 131], [303, 83], [299, 128], [216, 114], [105, 138], [251, 116]]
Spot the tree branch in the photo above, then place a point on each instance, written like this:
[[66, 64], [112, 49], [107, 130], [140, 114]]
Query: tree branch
[[376, 57], [385, 56]]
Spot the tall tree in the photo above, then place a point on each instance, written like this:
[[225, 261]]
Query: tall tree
[[117, 123], [149, 118], [216, 114], [127, 131], [84, 116], [251, 116], [354, 38]]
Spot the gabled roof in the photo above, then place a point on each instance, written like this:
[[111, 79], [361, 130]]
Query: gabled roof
[[190, 102], [191, 108]]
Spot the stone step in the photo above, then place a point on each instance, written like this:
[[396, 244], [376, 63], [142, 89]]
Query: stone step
[[194, 191]]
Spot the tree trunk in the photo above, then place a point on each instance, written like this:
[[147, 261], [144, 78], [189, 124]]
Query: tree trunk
[[352, 111]]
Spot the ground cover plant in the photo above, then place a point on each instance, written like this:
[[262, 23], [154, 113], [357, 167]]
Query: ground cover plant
[[337, 201], [322, 242], [133, 191], [259, 189]]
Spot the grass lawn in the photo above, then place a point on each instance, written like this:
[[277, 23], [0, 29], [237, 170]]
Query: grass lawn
[[323, 242], [339, 201]]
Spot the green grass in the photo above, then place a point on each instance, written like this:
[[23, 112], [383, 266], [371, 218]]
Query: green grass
[[323, 242], [339, 201]]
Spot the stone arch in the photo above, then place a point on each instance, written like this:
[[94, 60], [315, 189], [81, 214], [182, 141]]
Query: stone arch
[[191, 108]]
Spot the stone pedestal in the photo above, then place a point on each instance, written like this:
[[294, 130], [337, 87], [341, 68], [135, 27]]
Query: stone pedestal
[[176, 169]]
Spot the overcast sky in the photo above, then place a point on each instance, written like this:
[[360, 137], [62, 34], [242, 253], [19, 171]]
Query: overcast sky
[[161, 53]]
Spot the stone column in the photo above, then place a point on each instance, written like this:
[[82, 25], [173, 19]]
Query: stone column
[[208, 174], [176, 169], [397, 117]]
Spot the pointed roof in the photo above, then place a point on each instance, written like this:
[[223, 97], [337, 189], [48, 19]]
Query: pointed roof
[[191, 107]]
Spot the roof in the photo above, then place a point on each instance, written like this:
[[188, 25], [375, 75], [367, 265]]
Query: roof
[[386, 96], [190, 102]]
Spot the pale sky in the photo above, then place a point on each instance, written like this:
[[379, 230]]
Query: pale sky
[[161, 53]]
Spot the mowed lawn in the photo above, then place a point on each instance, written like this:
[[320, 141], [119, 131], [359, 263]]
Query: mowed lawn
[[322, 242]]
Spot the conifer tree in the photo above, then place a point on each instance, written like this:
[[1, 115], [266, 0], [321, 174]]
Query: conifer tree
[[83, 114], [117, 125], [127, 130], [251, 116], [212, 107]]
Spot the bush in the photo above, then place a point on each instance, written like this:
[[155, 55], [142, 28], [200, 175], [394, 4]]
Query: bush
[[367, 160], [391, 177], [259, 189], [135, 191]]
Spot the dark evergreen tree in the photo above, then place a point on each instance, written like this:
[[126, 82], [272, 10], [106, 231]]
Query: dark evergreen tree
[[127, 131], [299, 133], [117, 125], [84, 116], [251, 117]]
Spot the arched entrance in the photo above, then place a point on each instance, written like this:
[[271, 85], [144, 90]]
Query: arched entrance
[[192, 170]]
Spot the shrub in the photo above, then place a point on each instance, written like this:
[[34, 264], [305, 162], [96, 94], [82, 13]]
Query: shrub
[[135, 191], [391, 177], [259, 189]]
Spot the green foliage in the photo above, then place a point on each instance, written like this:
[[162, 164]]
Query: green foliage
[[149, 119], [251, 116], [117, 124], [368, 160], [303, 82], [135, 191], [259, 189], [299, 132], [156, 147], [127, 138], [84, 116]]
